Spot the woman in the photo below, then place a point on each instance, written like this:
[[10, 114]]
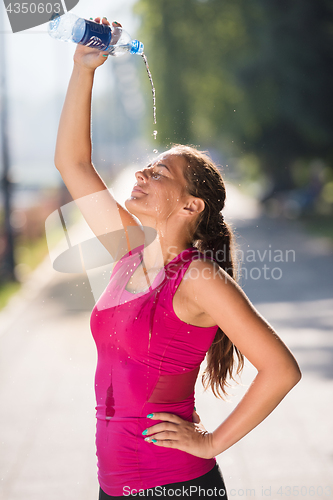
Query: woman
[[166, 305]]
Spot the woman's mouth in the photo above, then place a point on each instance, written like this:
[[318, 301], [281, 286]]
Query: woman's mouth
[[136, 189]]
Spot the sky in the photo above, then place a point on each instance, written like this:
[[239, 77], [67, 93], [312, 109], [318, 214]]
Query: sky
[[37, 71], [34, 59]]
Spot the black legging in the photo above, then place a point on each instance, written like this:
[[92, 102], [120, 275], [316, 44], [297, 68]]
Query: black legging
[[209, 485]]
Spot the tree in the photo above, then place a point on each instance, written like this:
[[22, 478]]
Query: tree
[[247, 77]]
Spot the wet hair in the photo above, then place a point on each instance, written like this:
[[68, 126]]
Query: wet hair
[[214, 238]]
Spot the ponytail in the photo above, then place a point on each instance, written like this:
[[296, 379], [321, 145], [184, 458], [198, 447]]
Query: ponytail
[[213, 237]]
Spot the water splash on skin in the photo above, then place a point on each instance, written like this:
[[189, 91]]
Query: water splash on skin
[[109, 402]]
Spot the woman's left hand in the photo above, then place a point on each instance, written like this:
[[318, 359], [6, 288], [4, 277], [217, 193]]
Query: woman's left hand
[[174, 432]]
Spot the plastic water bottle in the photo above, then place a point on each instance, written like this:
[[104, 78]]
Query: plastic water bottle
[[71, 28]]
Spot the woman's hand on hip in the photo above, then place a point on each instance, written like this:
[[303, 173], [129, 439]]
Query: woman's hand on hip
[[174, 432], [91, 58]]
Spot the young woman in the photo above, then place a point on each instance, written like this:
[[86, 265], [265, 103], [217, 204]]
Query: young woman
[[168, 303]]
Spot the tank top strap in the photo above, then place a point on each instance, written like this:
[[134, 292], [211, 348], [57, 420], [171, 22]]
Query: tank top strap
[[127, 259], [176, 269]]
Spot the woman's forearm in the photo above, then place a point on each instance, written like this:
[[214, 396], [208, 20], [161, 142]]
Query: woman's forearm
[[74, 140], [264, 394]]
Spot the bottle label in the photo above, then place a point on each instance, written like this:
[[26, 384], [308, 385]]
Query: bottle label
[[96, 35]]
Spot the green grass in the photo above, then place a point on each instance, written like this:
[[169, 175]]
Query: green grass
[[7, 290], [28, 255]]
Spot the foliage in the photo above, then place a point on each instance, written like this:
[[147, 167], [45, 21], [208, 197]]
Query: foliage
[[245, 77]]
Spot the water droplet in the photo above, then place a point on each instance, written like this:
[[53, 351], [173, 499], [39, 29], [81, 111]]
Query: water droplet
[[155, 134], [155, 151]]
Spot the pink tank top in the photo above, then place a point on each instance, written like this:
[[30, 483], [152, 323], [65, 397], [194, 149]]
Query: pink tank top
[[148, 361]]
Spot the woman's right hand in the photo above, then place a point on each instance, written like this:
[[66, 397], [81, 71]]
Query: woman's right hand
[[90, 58]]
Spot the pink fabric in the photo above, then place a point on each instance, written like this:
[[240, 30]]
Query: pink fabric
[[148, 361]]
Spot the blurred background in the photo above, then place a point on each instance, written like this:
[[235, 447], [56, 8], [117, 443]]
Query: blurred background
[[35, 72], [252, 83]]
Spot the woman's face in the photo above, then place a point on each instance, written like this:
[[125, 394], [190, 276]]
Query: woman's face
[[160, 189]]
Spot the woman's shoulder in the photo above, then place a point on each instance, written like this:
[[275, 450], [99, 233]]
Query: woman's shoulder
[[204, 267], [205, 276]]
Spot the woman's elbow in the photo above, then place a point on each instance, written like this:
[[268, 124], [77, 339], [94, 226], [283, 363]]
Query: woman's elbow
[[293, 375], [285, 374], [57, 161], [298, 375]]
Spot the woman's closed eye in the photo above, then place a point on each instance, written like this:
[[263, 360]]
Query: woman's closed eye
[[153, 173], [156, 175]]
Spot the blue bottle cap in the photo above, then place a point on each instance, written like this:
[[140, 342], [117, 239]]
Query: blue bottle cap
[[136, 47]]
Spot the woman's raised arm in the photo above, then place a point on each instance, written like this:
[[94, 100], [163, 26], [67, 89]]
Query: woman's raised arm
[[73, 151]]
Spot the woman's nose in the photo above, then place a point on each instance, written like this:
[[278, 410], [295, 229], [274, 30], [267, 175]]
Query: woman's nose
[[140, 176]]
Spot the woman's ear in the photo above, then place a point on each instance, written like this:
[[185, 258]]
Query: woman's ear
[[194, 206]]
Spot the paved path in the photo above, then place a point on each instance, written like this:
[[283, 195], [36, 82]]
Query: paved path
[[291, 453], [47, 362]]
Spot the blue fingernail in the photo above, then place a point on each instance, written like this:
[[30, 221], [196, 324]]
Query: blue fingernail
[[150, 415], [154, 440], [145, 432]]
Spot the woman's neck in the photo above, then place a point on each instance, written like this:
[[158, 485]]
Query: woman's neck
[[165, 247]]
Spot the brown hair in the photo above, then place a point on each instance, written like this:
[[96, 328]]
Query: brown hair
[[214, 237]]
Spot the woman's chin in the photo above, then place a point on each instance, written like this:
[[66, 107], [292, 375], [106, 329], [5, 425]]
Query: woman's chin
[[129, 206], [139, 207]]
